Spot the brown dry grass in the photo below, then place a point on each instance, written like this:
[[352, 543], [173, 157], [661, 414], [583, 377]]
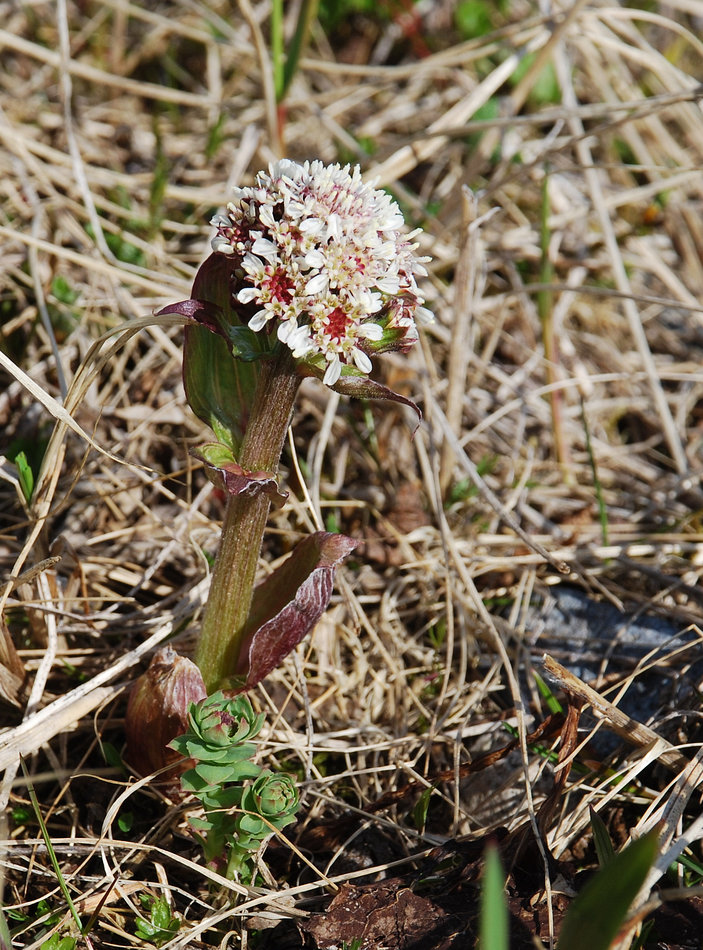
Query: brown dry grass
[[122, 127]]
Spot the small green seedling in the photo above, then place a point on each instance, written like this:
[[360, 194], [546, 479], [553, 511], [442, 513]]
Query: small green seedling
[[162, 923], [493, 914]]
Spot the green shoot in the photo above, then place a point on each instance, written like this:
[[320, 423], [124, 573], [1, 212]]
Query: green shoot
[[553, 704], [25, 476], [602, 509], [243, 803], [419, 813], [601, 839], [600, 910], [493, 915], [50, 850], [162, 924], [285, 65]]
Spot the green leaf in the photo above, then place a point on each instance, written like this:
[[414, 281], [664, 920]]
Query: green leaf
[[598, 913], [219, 386], [63, 291], [553, 704], [473, 18], [5, 938], [25, 475], [246, 344], [59, 943], [111, 755], [493, 914], [215, 774], [601, 839], [161, 926], [161, 913], [421, 808]]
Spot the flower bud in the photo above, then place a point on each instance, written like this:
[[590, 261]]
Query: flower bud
[[157, 711]]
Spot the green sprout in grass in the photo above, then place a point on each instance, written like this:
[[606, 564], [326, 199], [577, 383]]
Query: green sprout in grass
[[161, 926]]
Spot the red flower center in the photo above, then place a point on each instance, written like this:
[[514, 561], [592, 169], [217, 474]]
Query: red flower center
[[281, 287], [337, 324]]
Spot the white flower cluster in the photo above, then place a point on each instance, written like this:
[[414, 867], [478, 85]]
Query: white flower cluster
[[323, 255]]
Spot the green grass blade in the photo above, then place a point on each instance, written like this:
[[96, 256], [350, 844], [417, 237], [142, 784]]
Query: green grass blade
[[308, 12], [553, 704], [50, 848], [600, 498], [601, 839], [277, 57], [493, 917], [5, 939], [599, 911]]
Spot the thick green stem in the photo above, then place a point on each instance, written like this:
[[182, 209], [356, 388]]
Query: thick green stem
[[234, 574]]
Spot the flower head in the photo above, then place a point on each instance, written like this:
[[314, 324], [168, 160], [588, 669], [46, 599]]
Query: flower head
[[322, 259]]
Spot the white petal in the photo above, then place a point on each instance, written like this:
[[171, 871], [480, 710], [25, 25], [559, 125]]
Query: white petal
[[388, 285], [312, 226], [423, 316], [247, 294], [334, 227], [333, 372], [265, 248], [362, 361], [370, 331], [317, 284], [286, 330], [369, 302], [315, 258], [252, 265], [299, 343], [285, 167], [221, 245], [266, 216], [258, 321]]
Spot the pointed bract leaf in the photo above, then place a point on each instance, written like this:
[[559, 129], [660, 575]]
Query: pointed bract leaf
[[158, 711], [289, 603], [226, 474], [597, 914], [354, 383], [364, 388], [202, 312]]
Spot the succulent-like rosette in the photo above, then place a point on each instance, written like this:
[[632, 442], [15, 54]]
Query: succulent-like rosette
[[270, 803], [242, 803], [322, 259], [217, 739]]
